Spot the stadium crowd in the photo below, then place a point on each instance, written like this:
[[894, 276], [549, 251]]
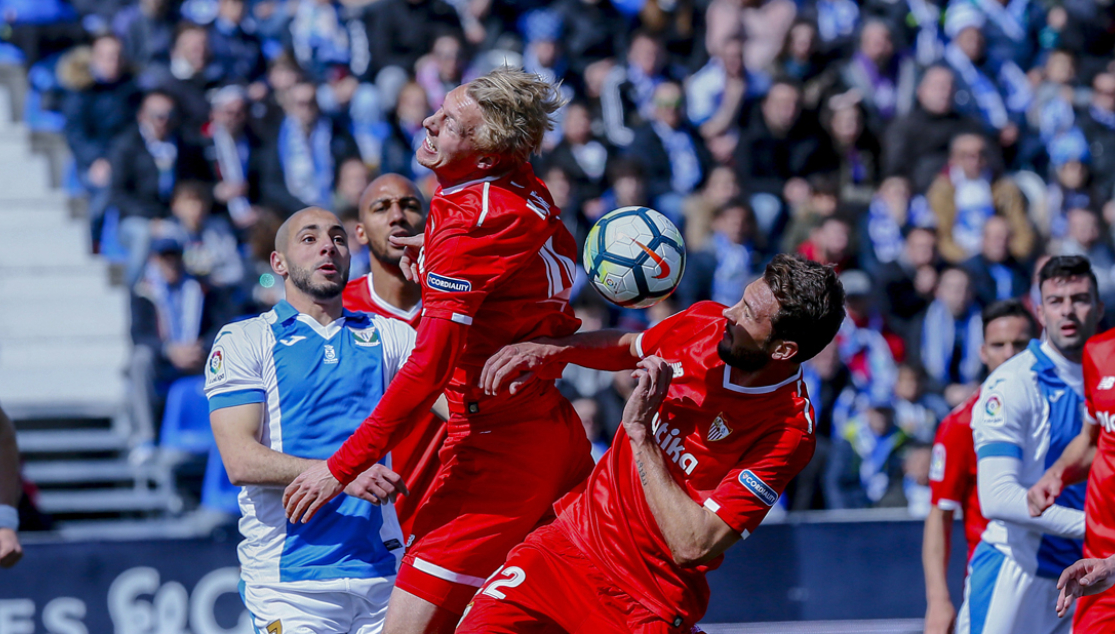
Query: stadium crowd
[[934, 154]]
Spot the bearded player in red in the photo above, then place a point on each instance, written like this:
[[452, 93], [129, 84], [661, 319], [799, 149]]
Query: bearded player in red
[[496, 267], [1090, 455], [391, 205], [698, 462], [1007, 329]]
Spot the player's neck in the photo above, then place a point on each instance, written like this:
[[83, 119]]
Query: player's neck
[[452, 180], [323, 311], [771, 374], [391, 287]]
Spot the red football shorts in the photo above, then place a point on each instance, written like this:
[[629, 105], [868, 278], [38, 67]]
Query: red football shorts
[[497, 483], [549, 586], [1095, 614]]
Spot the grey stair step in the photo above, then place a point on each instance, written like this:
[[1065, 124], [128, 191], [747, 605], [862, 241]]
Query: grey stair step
[[97, 352], [67, 440], [84, 471], [106, 501]]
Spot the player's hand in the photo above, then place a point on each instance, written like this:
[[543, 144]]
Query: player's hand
[[519, 364], [1085, 577], [412, 246], [309, 492], [940, 618], [653, 376], [377, 485], [1042, 495], [10, 550]]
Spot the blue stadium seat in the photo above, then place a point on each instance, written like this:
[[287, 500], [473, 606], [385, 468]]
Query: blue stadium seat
[[186, 419], [217, 493], [111, 249], [43, 82]]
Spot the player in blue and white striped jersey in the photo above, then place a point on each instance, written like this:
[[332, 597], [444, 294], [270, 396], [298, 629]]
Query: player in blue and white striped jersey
[[1029, 409], [286, 389]]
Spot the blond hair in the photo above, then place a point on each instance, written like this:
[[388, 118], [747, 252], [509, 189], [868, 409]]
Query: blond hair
[[516, 107]]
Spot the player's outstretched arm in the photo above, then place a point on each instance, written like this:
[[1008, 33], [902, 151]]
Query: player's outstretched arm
[[518, 364], [940, 614], [1003, 498], [1070, 468], [10, 490], [693, 533], [1085, 577]]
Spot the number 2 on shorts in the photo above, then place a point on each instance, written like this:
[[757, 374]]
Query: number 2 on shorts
[[515, 577]]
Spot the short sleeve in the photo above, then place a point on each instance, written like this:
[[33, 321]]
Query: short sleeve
[[464, 263], [234, 371], [650, 341], [1001, 417], [398, 342], [745, 496], [949, 470], [1091, 384]]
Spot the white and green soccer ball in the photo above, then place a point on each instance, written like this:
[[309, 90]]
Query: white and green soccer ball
[[634, 256]]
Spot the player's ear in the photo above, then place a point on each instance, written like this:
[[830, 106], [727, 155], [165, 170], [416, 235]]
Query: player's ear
[[784, 350], [486, 161], [278, 264], [361, 235]]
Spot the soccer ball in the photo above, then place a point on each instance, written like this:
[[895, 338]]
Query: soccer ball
[[634, 256]]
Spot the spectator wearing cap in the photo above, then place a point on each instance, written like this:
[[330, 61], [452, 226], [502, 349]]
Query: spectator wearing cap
[[966, 194], [1097, 122], [232, 149], [299, 167], [995, 273], [673, 154], [885, 80], [235, 48], [908, 283], [994, 91], [1012, 28], [173, 322], [949, 336], [916, 146], [187, 76], [1071, 184], [99, 105], [627, 97], [147, 162]]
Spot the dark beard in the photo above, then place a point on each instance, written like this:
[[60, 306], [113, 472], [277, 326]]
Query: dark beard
[[330, 290], [384, 258], [745, 360]]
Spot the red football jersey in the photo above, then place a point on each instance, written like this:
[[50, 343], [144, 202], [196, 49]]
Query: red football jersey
[[1099, 398], [497, 257], [732, 448], [415, 457], [952, 474]]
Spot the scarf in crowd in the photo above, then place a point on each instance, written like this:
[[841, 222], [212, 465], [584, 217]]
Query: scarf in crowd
[[1011, 19], [232, 160], [178, 309], [974, 205], [165, 154], [685, 168], [836, 18], [987, 97], [938, 338], [927, 46], [733, 269], [885, 96], [307, 162], [317, 34], [874, 451], [643, 86]]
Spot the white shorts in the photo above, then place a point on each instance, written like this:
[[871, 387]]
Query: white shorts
[[336, 606], [1002, 598]]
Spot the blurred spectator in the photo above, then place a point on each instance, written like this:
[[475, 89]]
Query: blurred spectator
[[995, 273], [209, 249], [1084, 237], [627, 97], [949, 338], [995, 91], [778, 148], [857, 148], [233, 149], [820, 201], [701, 207], [440, 71], [146, 29], [892, 213], [830, 243], [299, 168], [1097, 122], [186, 77], [885, 80], [866, 345], [916, 146], [673, 155], [406, 133], [266, 110], [837, 22], [1012, 28], [826, 378], [629, 189], [801, 60], [909, 282], [1057, 89], [233, 44], [966, 194], [916, 496], [729, 260], [866, 462], [1071, 185], [916, 410], [543, 54], [592, 31], [589, 411], [319, 37], [402, 31], [352, 179], [715, 95], [581, 154], [100, 103], [173, 323], [762, 23], [147, 162]]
